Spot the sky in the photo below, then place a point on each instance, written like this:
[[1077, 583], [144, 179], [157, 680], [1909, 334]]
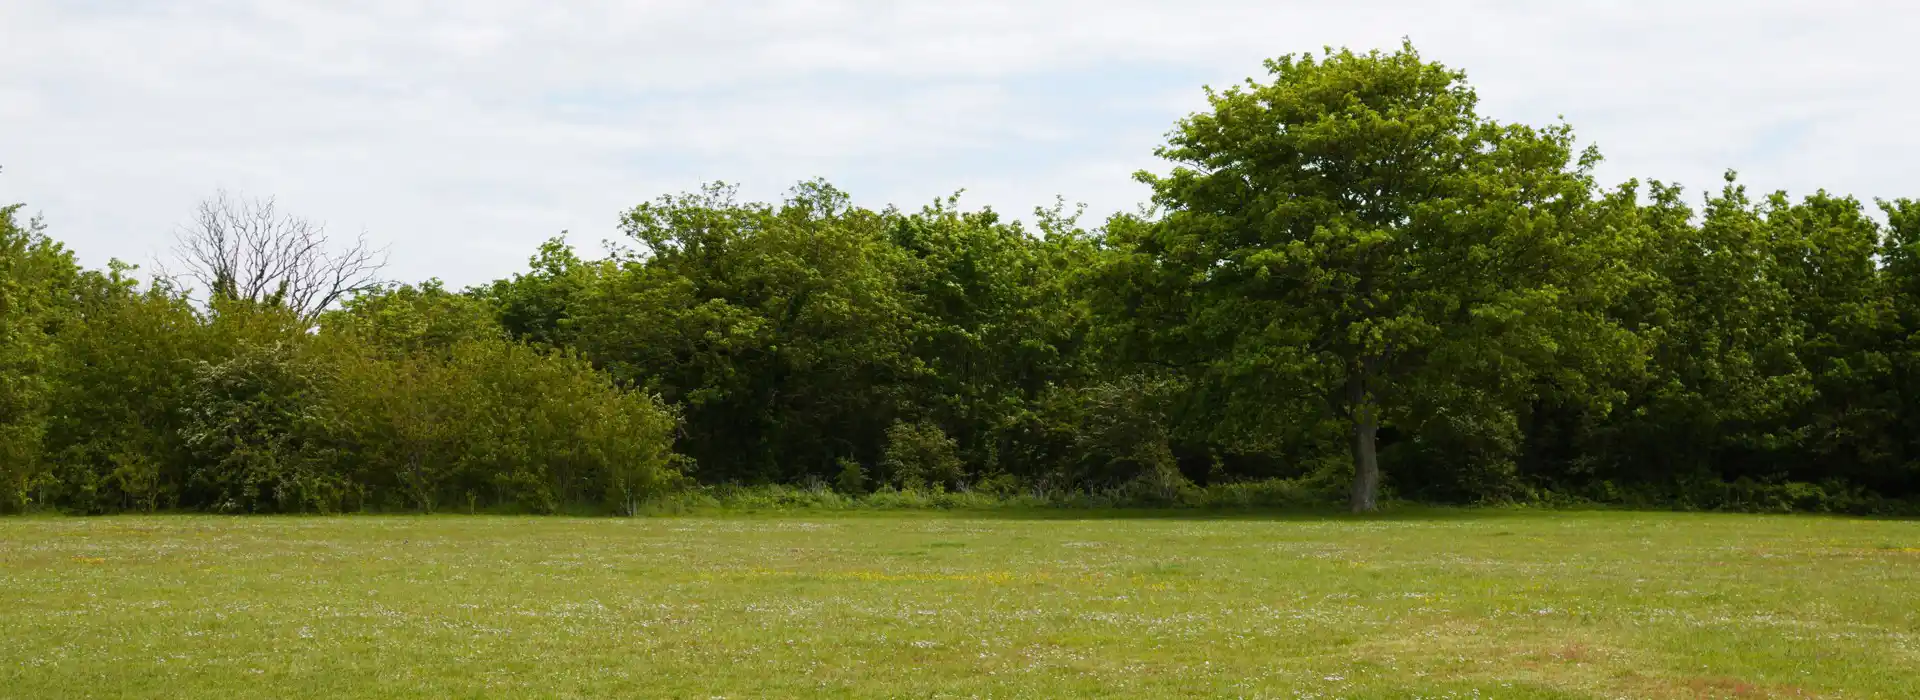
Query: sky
[[461, 135]]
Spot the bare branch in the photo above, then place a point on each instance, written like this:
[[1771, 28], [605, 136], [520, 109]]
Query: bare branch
[[248, 250]]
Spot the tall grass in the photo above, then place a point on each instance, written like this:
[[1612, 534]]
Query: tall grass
[[1271, 493]]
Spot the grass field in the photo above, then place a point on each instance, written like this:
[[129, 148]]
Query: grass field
[[1454, 604]]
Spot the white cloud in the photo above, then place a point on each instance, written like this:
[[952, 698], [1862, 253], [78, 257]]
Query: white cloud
[[464, 133]]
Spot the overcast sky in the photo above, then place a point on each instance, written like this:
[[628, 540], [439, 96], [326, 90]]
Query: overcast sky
[[463, 133]]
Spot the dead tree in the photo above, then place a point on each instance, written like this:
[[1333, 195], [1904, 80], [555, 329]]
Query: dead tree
[[246, 249]]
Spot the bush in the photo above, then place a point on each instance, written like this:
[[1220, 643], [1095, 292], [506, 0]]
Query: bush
[[526, 427], [123, 380], [1000, 485], [997, 493], [248, 426], [851, 478], [1269, 493], [1118, 438], [920, 455], [1740, 496]]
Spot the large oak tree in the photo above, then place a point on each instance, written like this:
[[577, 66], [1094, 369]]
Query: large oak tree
[[1353, 242]]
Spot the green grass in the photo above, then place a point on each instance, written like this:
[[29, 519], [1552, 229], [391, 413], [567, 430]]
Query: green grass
[[1432, 604]]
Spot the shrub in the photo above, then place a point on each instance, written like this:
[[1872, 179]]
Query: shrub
[[123, 380], [527, 427], [1268, 493], [919, 455], [247, 428], [999, 485], [851, 478], [1119, 438]]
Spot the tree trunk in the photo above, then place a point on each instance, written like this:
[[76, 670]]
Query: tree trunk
[[1366, 463], [1366, 459]]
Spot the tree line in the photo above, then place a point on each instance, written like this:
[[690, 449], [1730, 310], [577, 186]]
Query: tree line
[[1348, 281]]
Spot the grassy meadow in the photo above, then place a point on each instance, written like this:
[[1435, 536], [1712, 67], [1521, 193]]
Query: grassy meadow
[[1431, 604]]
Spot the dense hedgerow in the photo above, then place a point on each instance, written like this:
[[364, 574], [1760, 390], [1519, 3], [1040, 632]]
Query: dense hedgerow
[[1349, 281], [156, 405]]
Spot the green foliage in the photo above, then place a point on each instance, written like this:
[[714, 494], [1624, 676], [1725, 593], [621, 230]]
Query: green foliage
[[998, 322], [1766, 326], [1112, 434], [400, 424], [794, 334], [1348, 280], [781, 330], [124, 382], [1901, 283], [248, 430], [998, 493], [1353, 241], [920, 455], [539, 306], [497, 420], [404, 319], [852, 479], [409, 397], [36, 278]]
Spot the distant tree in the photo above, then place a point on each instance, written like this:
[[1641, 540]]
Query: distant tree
[[1353, 241], [1901, 251], [997, 324], [248, 250], [402, 319], [783, 329], [540, 305], [122, 379], [37, 276], [1824, 251]]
